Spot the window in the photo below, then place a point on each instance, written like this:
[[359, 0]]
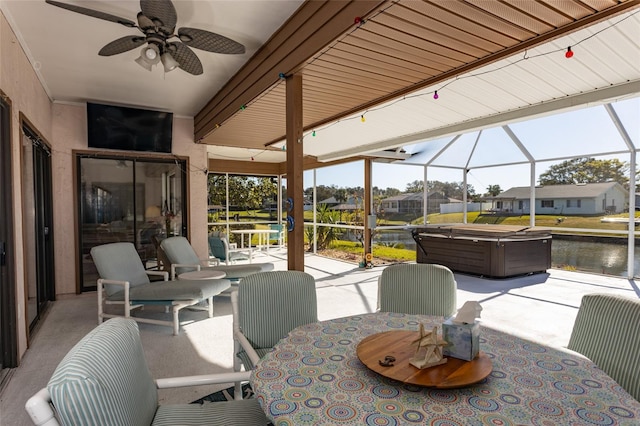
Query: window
[[578, 203], [568, 203], [521, 205], [547, 203]]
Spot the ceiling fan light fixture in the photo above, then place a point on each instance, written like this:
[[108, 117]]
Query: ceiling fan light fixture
[[143, 63], [151, 54], [168, 62]]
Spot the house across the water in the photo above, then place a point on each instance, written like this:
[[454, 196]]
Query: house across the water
[[575, 199]]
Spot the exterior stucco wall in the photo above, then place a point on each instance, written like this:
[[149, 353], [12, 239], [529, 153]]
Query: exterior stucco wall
[[19, 82], [70, 133], [63, 127]]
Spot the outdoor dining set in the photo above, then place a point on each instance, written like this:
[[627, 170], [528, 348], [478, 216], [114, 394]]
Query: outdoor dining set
[[359, 370]]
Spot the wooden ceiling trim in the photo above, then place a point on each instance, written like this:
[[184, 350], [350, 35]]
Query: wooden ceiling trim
[[410, 18], [377, 61], [404, 66], [311, 36], [372, 74], [322, 83], [358, 79], [495, 23], [448, 18], [317, 108], [528, 44], [337, 89], [447, 41], [429, 67], [328, 98], [512, 14], [243, 167], [326, 87], [599, 4], [441, 63], [557, 15], [270, 50], [426, 45], [572, 9]]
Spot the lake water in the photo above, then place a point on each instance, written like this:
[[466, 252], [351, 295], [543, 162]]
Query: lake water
[[586, 256]]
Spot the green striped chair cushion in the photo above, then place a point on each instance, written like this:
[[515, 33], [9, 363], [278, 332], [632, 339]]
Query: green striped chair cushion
[[607, 331], [271, 304], [246, 412], [420, 288], [104, 379]]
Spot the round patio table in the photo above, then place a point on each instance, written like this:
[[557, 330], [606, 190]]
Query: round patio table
[[313, 376]]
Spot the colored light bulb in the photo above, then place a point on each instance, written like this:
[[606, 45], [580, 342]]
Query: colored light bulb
[[435, 95], [362, 118], [569, 53]]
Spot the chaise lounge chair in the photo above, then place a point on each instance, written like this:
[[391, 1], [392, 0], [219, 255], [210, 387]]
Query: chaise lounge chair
[[183, 258], [124, 281]]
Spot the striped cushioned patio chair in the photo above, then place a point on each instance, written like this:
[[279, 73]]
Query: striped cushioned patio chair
[[105, 380], [420, 288], [607, 331], [266, 307]]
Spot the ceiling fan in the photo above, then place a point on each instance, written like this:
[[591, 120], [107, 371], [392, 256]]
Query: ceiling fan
[[157, 21]]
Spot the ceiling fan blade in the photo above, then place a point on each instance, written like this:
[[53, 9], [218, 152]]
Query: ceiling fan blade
[[123, 44], [161, 10], [145, 23], [186, 58], [211, 42], [93, 13]]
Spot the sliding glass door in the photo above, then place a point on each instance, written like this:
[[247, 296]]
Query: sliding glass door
[[135, 200], [38, 224], [8, 357]]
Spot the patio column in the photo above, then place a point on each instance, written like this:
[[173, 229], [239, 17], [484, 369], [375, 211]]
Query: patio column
[[367, 206], [295, 246]]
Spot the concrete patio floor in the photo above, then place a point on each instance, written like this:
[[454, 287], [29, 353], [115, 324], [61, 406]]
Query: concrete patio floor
[[540, 307]]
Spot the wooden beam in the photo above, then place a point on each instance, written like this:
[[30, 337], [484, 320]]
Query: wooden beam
[[312, 27], [367, 205], [253, 168], [295, 178]]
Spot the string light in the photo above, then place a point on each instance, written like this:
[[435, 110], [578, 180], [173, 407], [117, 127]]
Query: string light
[[359, 20], [282, 76], [569, 53], [252, 159], [243, 107]]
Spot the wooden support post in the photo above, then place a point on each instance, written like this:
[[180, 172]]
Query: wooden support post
[[367, 205], [295, 246]]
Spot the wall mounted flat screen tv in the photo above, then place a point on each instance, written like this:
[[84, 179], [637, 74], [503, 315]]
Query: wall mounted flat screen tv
[[129, 129]]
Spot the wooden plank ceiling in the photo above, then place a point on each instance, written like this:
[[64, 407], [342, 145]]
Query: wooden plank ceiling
[[354, 55]]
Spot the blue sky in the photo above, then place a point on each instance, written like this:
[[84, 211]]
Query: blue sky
[[580, 132]]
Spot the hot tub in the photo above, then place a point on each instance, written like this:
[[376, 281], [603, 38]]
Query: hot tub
[[488, 250]]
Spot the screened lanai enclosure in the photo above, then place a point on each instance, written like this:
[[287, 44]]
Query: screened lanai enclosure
[[587, 235], [471, 146]]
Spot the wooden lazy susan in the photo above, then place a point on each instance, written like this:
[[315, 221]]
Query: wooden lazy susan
[[454, 373]]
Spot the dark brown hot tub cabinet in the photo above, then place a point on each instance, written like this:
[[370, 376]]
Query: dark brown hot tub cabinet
[[489, 250]]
